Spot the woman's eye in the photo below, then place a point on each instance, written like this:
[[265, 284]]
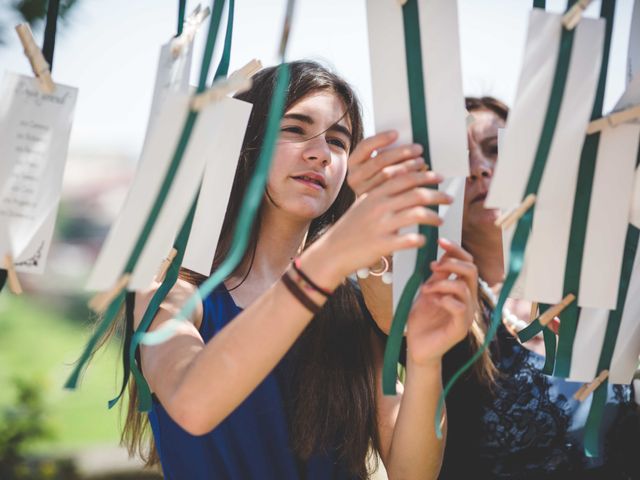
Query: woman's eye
[[492, 150], [338, 143], [293, 129]]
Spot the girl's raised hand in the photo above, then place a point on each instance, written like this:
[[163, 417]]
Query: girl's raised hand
[[373, 162], [445, 308]]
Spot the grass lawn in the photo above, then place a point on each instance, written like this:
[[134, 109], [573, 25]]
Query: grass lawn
[[39, 343]]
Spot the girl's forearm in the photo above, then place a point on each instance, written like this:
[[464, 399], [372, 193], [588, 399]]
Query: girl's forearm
[[234, 362], [415, 451]]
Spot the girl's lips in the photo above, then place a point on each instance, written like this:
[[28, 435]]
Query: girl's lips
[[479, 198], [308, 183]]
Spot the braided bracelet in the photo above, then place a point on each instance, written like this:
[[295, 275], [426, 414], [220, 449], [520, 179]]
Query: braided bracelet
[[308, 281], [297, 292]]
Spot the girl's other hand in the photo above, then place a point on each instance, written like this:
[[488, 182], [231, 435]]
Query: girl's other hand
[[445, 308]]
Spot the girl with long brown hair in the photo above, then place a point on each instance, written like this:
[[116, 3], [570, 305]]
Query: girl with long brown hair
[[276, 374]]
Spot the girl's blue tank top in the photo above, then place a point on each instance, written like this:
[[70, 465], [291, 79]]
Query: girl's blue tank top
[[252, 442]]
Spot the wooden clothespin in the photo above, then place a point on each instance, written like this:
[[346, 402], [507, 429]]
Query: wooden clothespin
[[534, 312], [12, 275], [571, 19], [238, 81], [39, 65], [554, 311], [588, 388], [194, 20], [509, 218], [166, 263], [614, 119], [101, 301]]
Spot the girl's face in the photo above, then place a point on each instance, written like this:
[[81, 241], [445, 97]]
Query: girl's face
[[482, 136], [310, 162]]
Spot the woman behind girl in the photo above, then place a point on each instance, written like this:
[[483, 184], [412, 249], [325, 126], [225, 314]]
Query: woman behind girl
[[277, 374]]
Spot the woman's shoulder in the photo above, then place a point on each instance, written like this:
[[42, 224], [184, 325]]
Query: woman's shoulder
[[172, 303]]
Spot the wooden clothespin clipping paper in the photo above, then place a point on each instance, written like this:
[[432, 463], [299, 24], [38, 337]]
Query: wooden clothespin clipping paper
[[39, 65], [34, 137], [12, 276]]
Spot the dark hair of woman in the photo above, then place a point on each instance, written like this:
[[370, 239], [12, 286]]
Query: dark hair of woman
[[332, 383]]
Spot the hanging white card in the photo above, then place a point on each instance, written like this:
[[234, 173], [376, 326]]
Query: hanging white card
[[526, 118], [216, 187], [634, 211], [172, 75], [549, 240], [155, 160], [608, 216], [633, 56], [446, 113], [207, 137], [391, 106], [587, 344], [391, 110], [625, 355], [451, 228], [34, 138]]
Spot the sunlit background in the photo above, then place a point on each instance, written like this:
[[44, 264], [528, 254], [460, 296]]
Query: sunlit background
[[109, 49]]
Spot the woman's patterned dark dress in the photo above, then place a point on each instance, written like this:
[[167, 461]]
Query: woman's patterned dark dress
[[528, 426]]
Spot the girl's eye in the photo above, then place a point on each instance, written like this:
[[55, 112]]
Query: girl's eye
[[293, 129], [338, 143], [492, 150]]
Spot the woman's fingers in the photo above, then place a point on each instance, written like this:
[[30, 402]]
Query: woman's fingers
[[366, 169], [407, 166], [402, 183], [466, 271], [454, 250], [366, 147], [413, 216], [457, 288], [418, 196]]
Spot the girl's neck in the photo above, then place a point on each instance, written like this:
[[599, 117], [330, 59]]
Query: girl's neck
[[280, 239]]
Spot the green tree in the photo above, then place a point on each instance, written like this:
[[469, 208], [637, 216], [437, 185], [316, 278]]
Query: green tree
[[31, 11]]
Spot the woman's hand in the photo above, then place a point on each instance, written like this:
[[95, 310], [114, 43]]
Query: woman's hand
[[372, 227], [370, 165], [445, 308]]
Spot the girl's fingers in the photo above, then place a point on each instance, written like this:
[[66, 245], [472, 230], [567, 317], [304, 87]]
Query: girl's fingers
[[406, 182], [457, 288], [454, 250], [413, 216], [407, 166], [467, 271], [418, 196], [368, 168], [404, 241], [366, 147]]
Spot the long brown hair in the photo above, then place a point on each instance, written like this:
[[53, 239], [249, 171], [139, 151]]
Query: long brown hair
[[331, 392]]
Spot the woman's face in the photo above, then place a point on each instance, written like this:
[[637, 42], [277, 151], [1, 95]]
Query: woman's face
[[310, 161], [482, 136]]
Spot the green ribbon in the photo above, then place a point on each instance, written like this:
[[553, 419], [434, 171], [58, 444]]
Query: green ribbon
[[429, 251], [112, 310], [523, 227], [252, 198], [592, 427], [540, 4], [182, 8], [570, 315], [132, 339]]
